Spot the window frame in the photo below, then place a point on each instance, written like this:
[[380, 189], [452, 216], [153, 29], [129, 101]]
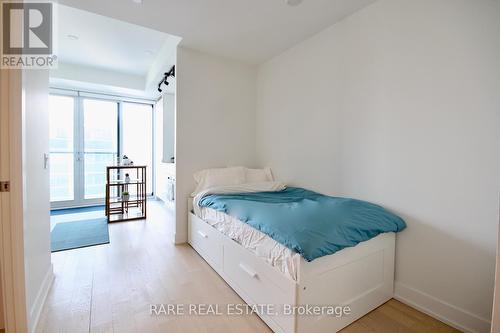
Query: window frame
[[79, 96]]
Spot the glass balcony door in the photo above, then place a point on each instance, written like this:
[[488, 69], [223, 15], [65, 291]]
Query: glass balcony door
[[62, 117], [83, 141], [99, 146], [89, 133]]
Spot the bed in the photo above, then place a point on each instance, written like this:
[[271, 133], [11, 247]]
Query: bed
[[354, 280]]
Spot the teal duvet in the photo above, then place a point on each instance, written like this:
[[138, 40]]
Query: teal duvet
[[309, 223]]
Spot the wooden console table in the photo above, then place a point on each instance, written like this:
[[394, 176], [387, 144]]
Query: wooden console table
[[118, 208]]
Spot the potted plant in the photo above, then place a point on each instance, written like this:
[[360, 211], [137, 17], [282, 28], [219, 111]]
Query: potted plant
[[125, 196]]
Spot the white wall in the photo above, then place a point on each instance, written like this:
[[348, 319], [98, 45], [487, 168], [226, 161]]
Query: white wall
[[215, 118], [36, 200], [168, 127], [164, 170], [97, 76], [399, 105], [91, 79]]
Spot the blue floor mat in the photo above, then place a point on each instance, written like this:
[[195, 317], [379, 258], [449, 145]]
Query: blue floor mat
[[56, 212], [74, 235]]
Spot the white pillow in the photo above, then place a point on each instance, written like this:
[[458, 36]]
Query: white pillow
[[258, 175], [209, 178]]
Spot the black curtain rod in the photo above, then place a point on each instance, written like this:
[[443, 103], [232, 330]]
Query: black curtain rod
[[168, 74]]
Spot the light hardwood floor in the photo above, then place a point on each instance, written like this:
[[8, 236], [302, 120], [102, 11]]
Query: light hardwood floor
[[109, 288]]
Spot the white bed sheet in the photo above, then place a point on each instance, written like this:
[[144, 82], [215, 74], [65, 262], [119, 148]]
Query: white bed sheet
[[263, 246]]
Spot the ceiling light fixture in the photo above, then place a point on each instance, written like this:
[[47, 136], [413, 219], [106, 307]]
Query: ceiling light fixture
[[73, 37], [293, 2], [138, 1]]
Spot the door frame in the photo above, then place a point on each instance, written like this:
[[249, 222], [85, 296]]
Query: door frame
[[11, 203]]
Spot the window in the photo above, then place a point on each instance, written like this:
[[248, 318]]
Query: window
[[100, 128], [89, 133], [62, 153], [138, 136]]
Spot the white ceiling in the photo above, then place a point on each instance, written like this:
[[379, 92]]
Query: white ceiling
[[248, 30], [110, 56], [108, 44]]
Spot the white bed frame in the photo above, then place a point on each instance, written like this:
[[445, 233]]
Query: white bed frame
[[361, 277]]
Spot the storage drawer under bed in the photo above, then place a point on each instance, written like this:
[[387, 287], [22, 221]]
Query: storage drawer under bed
[[253, 279], [337, 279], [206, 240], [259, 283]]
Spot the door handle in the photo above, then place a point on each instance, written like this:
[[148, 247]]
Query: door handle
[[45, 161], [203, 235]]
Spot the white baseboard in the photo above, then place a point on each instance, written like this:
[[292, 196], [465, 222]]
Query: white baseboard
[[458, 318], [36, 309]]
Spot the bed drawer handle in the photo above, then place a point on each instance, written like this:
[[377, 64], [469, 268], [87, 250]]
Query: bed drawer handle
[[249, 271], [202, 234]]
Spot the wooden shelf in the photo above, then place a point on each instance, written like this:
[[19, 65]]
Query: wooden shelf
[[120, 167], [120, 200], [131, 215], [117, 209]]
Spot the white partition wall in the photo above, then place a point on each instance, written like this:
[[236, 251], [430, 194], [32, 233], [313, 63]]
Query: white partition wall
[[168, 128], [37, 261], [215, 118]]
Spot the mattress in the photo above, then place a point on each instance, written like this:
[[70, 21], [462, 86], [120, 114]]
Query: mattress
[[261, 245], [309, 223]]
